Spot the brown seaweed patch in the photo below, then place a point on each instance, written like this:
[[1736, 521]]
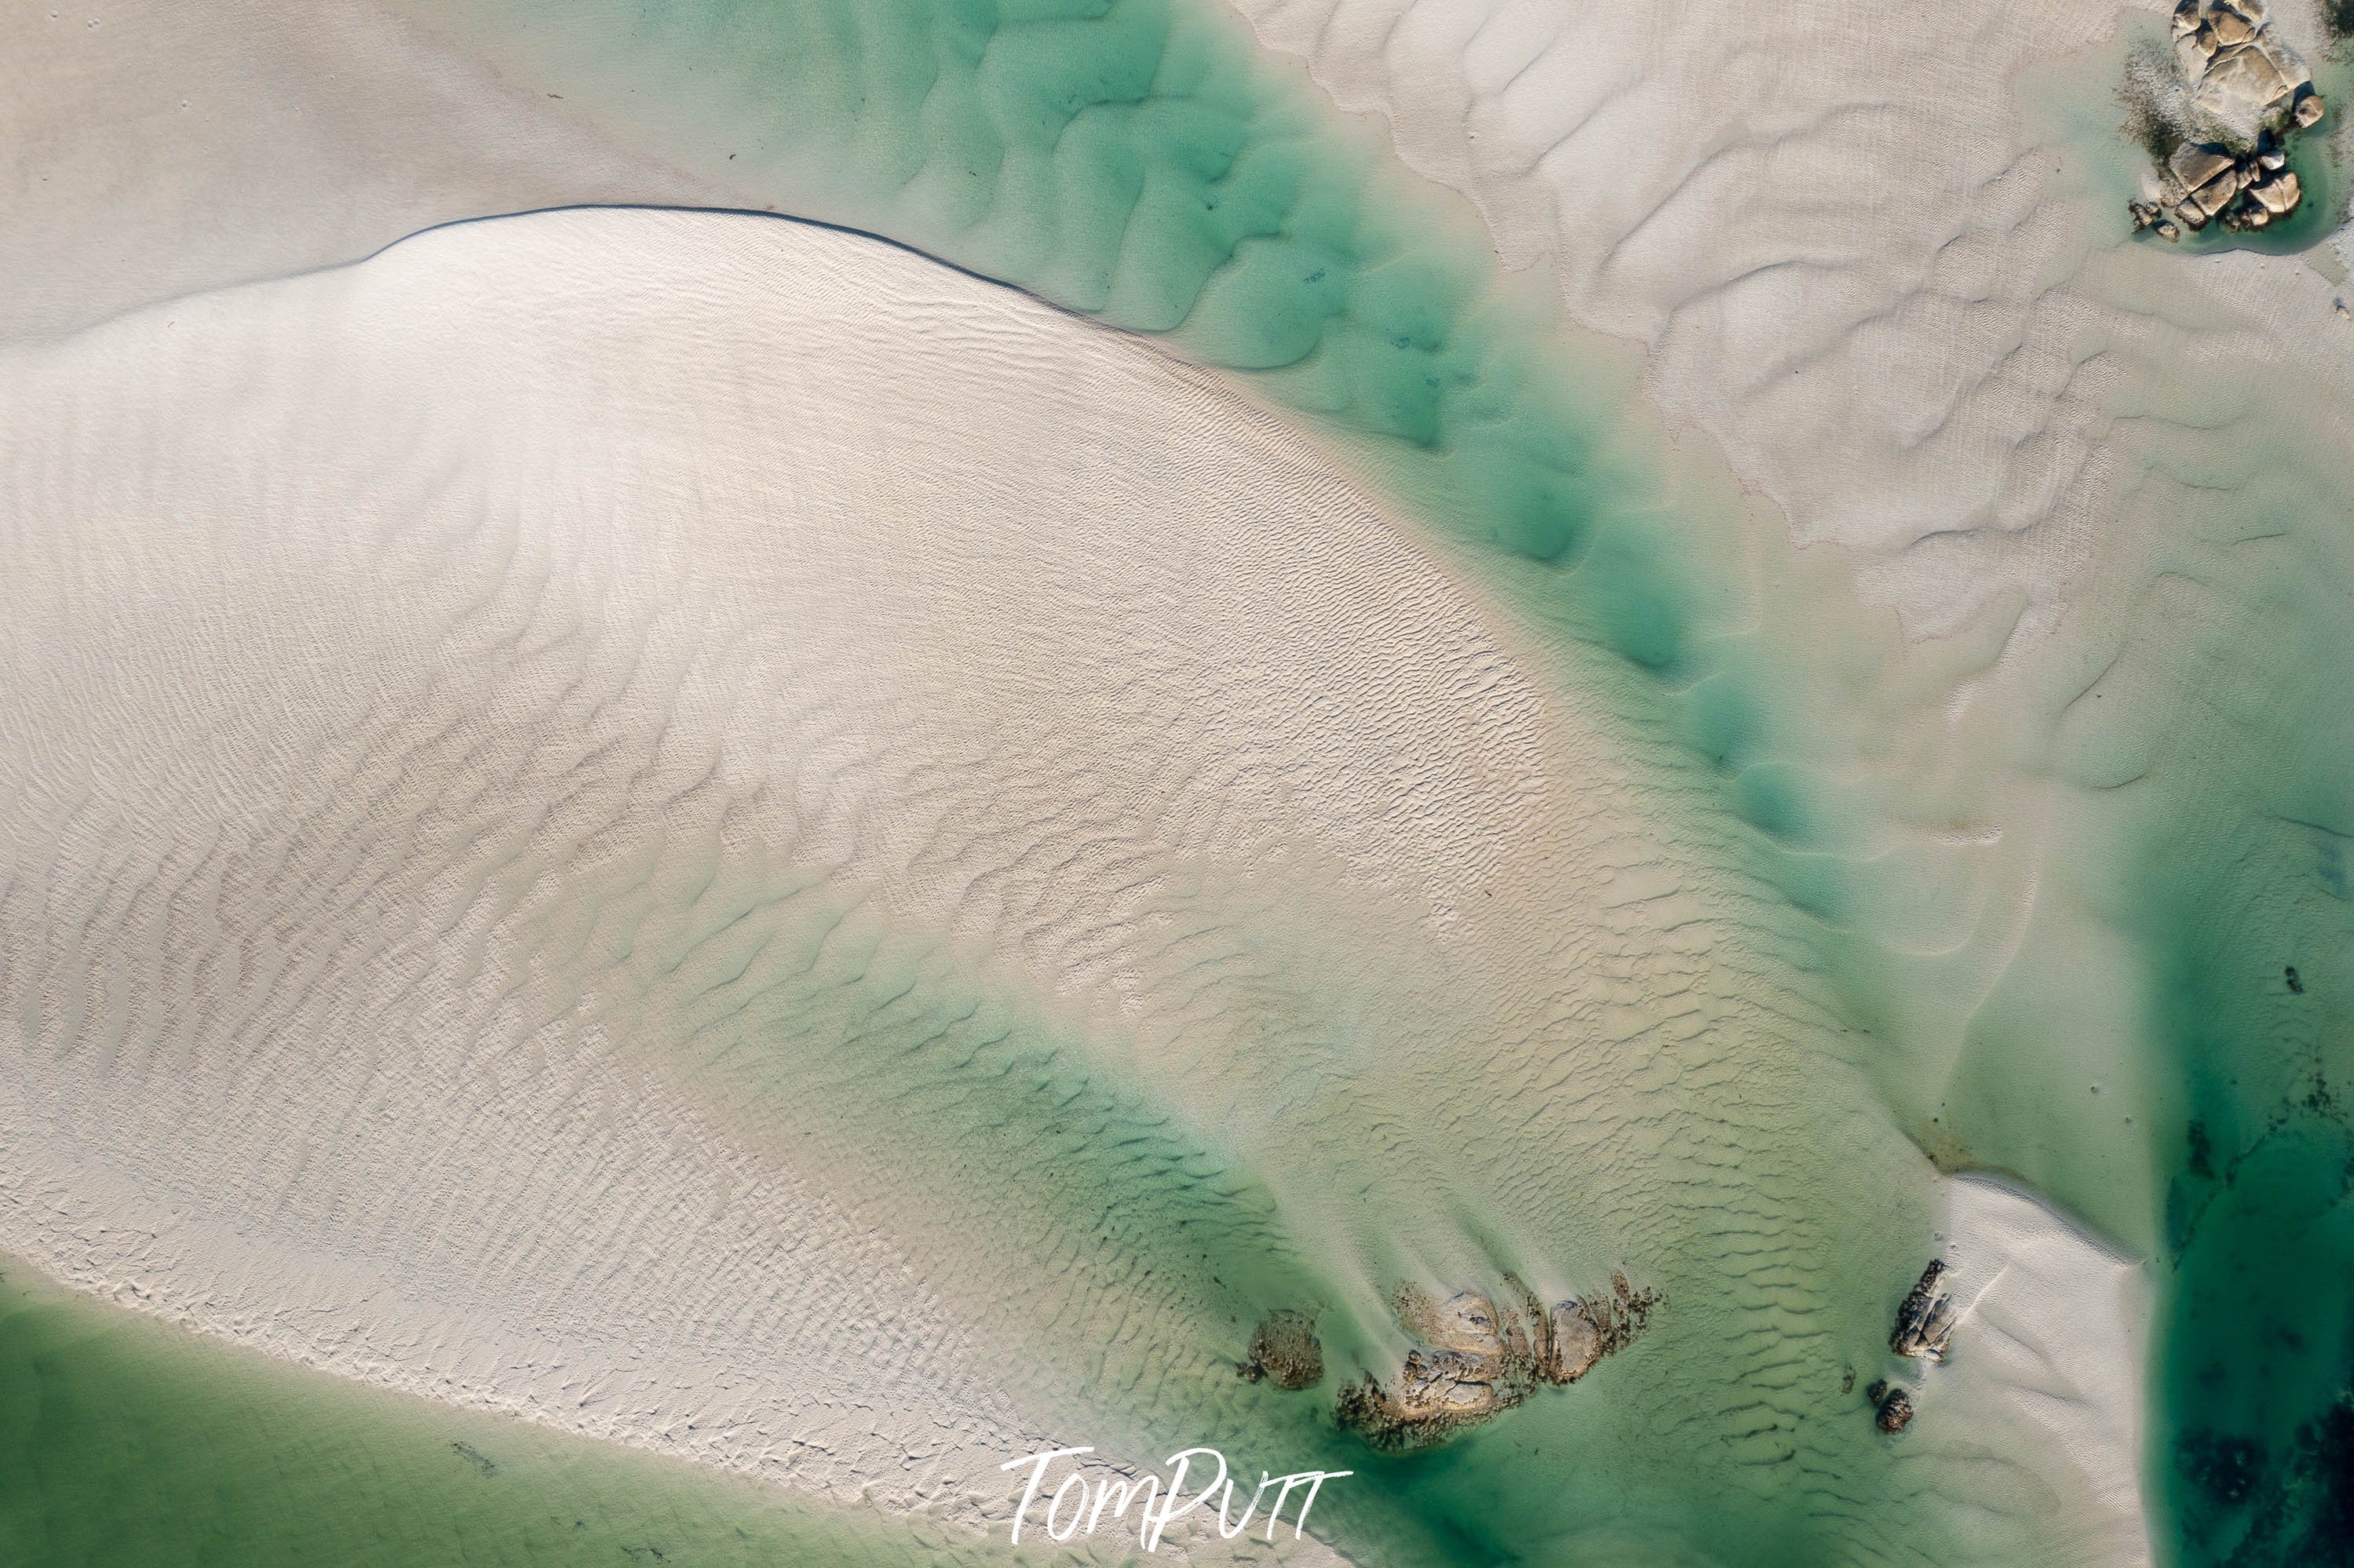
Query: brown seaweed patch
[[1285, 1351]]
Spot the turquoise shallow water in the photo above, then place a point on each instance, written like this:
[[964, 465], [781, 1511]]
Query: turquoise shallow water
[[1137, 161], [2206, 717], [2237, 885]]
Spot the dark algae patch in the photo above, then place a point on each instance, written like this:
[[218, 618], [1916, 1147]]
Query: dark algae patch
[[2296, 1506], [2240, 862], [2258, 1369]]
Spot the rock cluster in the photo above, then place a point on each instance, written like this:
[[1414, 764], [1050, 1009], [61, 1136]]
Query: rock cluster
[[1476, 1361], [2247, 91], [2204, 183], [1285, 1351], [1924, 1327], [2241, 74], [1924, 1319], [1894, 1406]]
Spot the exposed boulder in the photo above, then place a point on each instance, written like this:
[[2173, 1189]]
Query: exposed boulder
[[2216, 193], [2233, 77], [1434, 1392], [1892, 1407], [1574, 1343], [2193, 166], [1465, 1321], [2204, 182], [2240, 86], [2286, 61], [2239, 72]]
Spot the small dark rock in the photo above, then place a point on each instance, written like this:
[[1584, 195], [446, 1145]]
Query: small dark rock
[[2295, 986], [1896, 1412]]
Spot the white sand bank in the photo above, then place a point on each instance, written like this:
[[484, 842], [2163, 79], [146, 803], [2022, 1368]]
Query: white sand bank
[[2053, 1324], [370, 620]]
